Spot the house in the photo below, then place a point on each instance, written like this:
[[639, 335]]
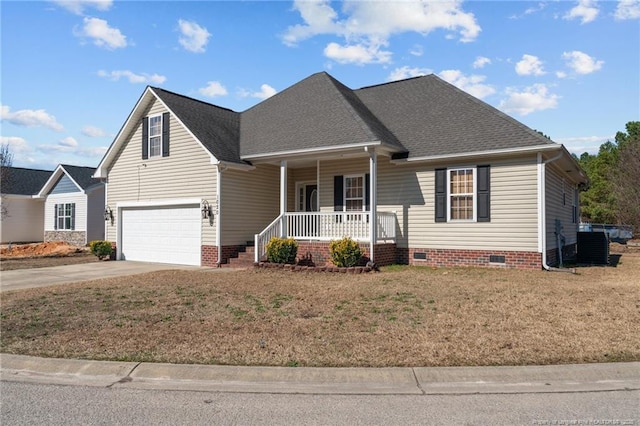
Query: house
[[73, 205], [416, 170], [22, 212]]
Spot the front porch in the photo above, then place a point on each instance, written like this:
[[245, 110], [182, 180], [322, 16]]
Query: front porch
[[327, 226]]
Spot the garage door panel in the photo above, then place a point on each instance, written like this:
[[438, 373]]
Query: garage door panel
[[163, 235]]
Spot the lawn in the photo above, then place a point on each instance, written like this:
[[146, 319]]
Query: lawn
[[401, 316]]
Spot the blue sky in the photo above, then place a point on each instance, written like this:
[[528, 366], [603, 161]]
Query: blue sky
[[71, 71]]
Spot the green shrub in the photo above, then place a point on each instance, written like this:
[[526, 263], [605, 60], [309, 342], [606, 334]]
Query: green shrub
[[282, 250], [345, 252], [101, 249]]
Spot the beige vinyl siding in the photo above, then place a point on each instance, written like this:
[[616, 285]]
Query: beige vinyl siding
[[555, 208], [80, 200], [24, 222], [250, 201], [186, 173], [95, 214], [408, 190]]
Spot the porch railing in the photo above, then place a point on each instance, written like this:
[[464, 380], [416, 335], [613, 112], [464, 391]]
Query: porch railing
[[326, 226]]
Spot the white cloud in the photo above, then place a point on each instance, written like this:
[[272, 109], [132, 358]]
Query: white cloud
[[368, 25], [416, 50], [213, 89], [359, 54], [30, 118], [407, 72], [561, 74], [265, 92], [529, 65], [93, 132], [585, 10], [16, 144], [627, 9], [78, 6], [69, 142], [531, 10], [578, 145], [194, 37], [472, 84], [133, 77], [481, 61], [533, 98], [102, 34], [581, 63]]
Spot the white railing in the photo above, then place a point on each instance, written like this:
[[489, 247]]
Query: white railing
[[275, 229], [326, 226]]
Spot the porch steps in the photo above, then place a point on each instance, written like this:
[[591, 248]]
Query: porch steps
[[246, 258]]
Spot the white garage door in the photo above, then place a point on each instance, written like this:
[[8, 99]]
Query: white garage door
[[162, 234]]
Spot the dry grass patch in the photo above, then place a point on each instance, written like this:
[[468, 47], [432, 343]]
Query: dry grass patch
[[399, 317]]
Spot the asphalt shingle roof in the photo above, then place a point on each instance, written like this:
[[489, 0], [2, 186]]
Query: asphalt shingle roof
[[21, 181], [217, 128], [319, 111], [432, 117], [82, 175], [418, 117]]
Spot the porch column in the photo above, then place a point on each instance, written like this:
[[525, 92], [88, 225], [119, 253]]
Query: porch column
[[283, 198], [373, 202]]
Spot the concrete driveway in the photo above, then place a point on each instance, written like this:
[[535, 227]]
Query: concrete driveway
[[42, 277]]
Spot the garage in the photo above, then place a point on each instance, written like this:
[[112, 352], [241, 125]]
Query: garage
[[167, 234]]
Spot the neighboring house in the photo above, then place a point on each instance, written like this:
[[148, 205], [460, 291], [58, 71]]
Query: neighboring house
[[436, 176], [22, 213], [74, 209]]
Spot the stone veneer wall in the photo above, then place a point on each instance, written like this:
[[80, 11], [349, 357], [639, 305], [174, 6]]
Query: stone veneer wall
[[77, 238]]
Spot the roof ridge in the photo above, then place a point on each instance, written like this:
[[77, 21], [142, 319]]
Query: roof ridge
[[29, 168], [395, 81], [192, 99]]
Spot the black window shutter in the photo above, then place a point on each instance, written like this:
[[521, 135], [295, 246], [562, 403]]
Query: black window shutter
[[484, 194], [165, 134], [441, 195], [338, 196], [338, 193], [145, 138], [55, 216], [367, 192], [73, 216]]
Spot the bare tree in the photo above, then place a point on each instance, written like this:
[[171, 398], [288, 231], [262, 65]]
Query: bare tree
[[627, 175], [6, 160]]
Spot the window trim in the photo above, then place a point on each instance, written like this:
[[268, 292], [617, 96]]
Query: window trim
[[364, 190], [159, 136], [474, 194], [62, 218]]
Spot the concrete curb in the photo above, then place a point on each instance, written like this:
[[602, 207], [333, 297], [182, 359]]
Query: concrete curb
[[364, 381]]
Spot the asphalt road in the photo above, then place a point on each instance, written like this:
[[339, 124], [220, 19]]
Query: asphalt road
[[38, 404]]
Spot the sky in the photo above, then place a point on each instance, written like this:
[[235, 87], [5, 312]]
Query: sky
[[72, 71]]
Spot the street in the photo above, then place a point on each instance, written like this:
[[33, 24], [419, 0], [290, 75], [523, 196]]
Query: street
[[47, 404]]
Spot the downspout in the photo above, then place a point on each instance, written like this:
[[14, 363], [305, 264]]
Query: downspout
[[219, 169], [542, 211]]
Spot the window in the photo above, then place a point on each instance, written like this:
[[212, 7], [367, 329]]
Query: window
[[65, 216], [461, 194], [354, 193], [155, 136]]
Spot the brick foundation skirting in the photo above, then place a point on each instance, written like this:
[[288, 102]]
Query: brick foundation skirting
[[476, 258], [385, 254], [209, 254], [569, 253]]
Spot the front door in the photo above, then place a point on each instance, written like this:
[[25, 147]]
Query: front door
[[311, 198]]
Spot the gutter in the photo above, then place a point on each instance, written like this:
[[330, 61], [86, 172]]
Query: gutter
[[542, 214]]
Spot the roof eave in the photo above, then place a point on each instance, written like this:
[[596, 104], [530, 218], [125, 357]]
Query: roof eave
[[379, 146], [479, 154]]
